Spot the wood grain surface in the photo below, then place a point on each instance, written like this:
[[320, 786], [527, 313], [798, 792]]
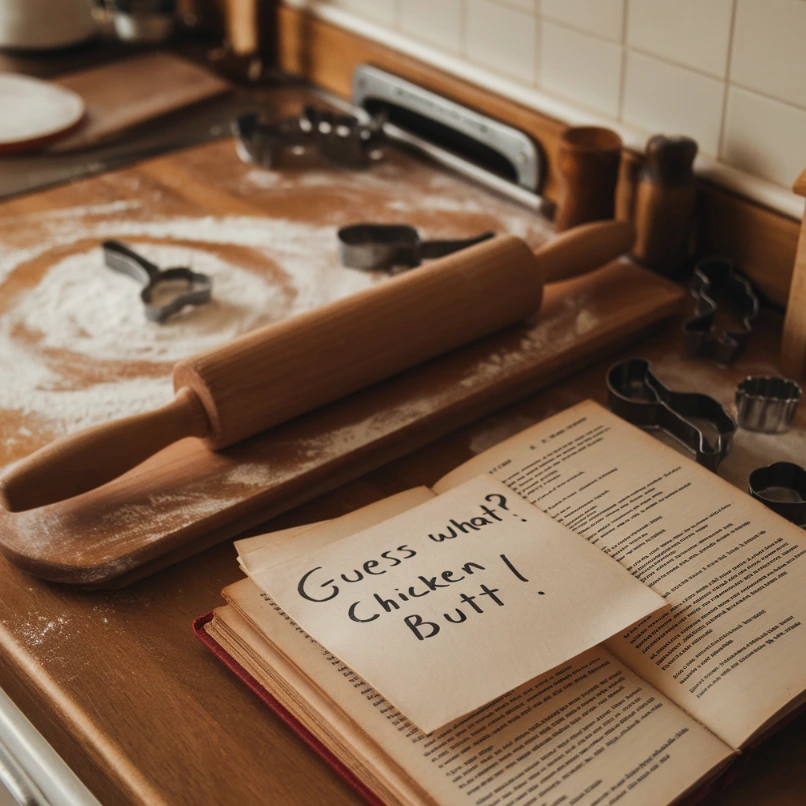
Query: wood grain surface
[[145, 715], [186, 498], [276, 373], [114, 679], [131, 91]]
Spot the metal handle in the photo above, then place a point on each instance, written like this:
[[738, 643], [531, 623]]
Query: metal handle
[[126, 261], [17, 781], [514, 146]]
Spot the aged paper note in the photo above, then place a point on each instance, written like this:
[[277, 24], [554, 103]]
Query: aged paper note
[[459, 600]]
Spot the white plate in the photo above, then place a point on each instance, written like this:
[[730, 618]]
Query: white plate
[[32, 110]]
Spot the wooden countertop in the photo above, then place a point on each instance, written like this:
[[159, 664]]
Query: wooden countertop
[[145, 715]]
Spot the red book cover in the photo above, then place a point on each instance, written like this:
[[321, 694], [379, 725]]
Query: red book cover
[[693, 798], [283, 713]]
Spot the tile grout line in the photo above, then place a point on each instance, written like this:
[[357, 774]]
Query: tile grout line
[[463, 15], [577, 29], [537, 59], [648, 54], [754, 185], [728, 84], [622, 90]]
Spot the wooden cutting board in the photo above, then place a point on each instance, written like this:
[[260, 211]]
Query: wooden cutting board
[[126, 93], [276, 226]]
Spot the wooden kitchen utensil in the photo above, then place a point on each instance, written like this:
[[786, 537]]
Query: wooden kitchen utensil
[[664, 199], [284, 370], [132, 91], [35, 113], [587, 162]]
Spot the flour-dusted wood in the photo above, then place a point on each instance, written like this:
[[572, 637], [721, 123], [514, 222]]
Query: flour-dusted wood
[[279, 372], [284, 370], [280, 228]]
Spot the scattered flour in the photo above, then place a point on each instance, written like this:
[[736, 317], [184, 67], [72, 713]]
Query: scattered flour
[[38, 630], [83, 319], [85, 210], [749, 449], [422, 196], [82, 306]]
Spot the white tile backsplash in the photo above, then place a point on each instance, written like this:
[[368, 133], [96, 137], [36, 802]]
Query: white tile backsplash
[[580, 67], [382, 11], [694, 33], [523, 5], [436, 21], [730, 73], [662, 97], [501, 38], [769, 48], [603, 18], [764, 137]]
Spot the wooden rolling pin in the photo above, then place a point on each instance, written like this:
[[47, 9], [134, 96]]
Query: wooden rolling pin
[[281, 371]]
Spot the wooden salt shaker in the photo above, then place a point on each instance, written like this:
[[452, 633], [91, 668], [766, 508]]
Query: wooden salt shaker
[[587, 161], [664, 198]]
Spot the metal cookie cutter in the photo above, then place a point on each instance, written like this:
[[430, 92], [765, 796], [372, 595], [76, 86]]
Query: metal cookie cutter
[[789, 479], [196, 289], [716, 275], [636, 394], [338, 139], [384, 246], [767, 404]]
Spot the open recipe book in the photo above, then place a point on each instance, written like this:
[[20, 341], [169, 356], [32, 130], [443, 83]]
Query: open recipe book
[[654, 714]]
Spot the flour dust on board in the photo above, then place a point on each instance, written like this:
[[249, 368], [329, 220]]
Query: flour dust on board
[[75, 346]]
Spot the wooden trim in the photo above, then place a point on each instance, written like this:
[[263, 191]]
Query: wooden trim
[[760, 240], [327, 56]]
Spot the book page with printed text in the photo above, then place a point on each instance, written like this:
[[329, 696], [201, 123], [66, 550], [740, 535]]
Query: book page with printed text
[[731, 649]]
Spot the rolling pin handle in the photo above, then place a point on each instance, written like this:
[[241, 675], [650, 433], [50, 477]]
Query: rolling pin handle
[[84, 461], [584, 248]]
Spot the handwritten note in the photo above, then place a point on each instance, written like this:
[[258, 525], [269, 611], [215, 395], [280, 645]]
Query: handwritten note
[[457, 601]]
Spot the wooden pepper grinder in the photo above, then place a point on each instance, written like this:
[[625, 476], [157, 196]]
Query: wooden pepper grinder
[[663, 204]]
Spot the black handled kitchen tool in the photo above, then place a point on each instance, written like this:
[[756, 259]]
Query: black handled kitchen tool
[[195, 288], [386, 246], [636, 395], [336, 139]]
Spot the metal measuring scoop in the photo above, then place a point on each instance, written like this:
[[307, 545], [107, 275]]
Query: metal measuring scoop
[[386, 246], [197, 288]]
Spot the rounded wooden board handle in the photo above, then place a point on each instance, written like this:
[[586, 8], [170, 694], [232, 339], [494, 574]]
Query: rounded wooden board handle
[[584, 248], [90, 458]]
